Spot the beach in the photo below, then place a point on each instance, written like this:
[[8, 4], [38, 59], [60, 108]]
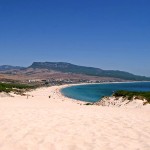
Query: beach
[[46, 120]]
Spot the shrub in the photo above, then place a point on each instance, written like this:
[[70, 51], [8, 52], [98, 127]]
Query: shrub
[[131, 94]]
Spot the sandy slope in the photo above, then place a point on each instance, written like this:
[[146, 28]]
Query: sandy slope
[[40, 123]]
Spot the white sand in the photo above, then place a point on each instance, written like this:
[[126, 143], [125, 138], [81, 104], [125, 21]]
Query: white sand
[[58, 123]]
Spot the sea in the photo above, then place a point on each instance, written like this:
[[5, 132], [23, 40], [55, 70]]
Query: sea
[[94, 92]]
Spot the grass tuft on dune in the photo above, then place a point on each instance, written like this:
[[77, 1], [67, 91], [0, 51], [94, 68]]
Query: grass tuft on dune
[[8, 87], [130, 95]]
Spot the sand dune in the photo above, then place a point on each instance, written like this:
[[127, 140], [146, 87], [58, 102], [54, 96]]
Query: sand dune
[[58, 123]]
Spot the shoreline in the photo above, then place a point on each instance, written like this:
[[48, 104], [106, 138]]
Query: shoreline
[[58, 122], [72, 85], [55, 92]]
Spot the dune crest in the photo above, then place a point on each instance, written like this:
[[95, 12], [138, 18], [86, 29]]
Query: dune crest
[[47, 120]]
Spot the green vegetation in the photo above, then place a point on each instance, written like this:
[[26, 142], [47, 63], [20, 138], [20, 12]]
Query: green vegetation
[[8, 87], [130, 95], [70, 68]]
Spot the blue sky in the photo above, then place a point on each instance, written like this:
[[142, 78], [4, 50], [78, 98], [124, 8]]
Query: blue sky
[[109, 34]]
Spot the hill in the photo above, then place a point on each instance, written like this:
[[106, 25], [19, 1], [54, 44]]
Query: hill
[[91, 71], [8, 67]]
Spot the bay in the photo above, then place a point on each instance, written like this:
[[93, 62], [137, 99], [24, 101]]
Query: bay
[[94, 92]]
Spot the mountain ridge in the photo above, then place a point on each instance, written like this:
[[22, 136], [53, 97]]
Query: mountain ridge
[[92, 71], [70, 69], [9, 67]]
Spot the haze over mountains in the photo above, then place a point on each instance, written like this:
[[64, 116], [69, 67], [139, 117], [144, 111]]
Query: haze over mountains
[[8, 67], [69, 70]]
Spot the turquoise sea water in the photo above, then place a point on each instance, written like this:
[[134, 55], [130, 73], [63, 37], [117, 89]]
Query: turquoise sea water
[[94, 92]]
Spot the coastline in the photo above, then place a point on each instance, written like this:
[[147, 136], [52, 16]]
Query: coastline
[[82, 84], [58, 122]]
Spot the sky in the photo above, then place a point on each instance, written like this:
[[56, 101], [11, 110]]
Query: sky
[[108, 34]]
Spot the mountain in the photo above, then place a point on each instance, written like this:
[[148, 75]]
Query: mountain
[[8, 67], [71, 68]]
